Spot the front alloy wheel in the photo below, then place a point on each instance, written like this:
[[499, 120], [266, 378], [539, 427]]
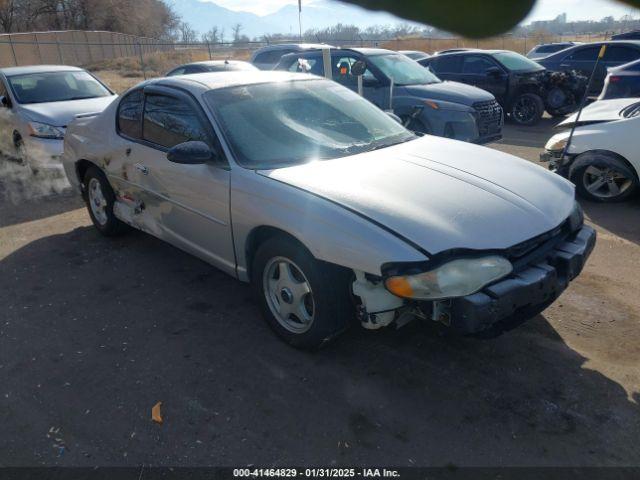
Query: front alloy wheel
[[603, 177], [527, 109], [605, 183], [305, 301], [288, 294]]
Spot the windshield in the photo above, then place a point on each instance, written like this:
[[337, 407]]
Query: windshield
[[56, 87], [273, 125], [515, 61], [403, 70]]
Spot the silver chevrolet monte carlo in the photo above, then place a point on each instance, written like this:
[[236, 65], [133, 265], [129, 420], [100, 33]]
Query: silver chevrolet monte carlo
[[329, 207]]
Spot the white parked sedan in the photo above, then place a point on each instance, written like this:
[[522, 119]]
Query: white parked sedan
[[603, 158], [37, 103], [329, 207]]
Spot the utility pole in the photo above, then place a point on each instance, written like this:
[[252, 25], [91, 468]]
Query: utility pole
[[583, 102], [300, 17]]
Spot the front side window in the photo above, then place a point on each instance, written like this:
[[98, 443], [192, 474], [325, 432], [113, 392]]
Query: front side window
[[56, 87], [516, 62], [169, 121], [403, 70], [588, 54], [272, 125], [476, 65], [130, 114], [341, 71]]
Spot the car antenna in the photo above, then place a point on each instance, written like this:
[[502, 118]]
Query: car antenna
[[603, 49]]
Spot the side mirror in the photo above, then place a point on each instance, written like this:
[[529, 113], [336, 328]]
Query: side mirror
[[190, 153], [358, 68], [493, 72], [4, 101]]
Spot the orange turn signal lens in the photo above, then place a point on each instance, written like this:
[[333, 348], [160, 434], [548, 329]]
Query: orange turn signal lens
[[432, 104], [399, 286]]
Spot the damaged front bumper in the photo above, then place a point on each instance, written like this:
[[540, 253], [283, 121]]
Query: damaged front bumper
[[524, 294], [556, 163]]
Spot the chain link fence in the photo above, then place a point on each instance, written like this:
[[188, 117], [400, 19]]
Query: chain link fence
[[122, 60]]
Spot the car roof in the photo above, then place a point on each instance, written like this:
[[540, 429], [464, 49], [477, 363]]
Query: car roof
[[301, 46], [201, 82], [11, 71]]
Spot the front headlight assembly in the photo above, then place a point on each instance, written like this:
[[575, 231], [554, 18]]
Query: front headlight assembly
[[556, 145], [456, 278], [43, 130]]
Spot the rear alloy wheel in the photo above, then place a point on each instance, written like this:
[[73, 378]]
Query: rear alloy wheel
[[602, 178], [305, 301], [527, 109]]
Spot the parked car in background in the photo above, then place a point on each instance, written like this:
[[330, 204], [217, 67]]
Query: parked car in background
[[582, 58], [423, 102], [453, 50], [522, 86], [212, 66], [622, 82], [414, 54], [36, 105], [546, 49], [331, 209], [631, 35], [603, 158], [266, 58]]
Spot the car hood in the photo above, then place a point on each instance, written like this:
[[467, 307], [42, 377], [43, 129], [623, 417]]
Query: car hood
[[600, 111], [441, 194], [60, 114], [454, 92]]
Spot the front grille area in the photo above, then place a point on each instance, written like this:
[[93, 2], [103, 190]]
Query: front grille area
[[489, 117]]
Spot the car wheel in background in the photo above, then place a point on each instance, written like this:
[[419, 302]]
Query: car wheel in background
[[527, 109], [100, 198], [305, 301], [602, 177]]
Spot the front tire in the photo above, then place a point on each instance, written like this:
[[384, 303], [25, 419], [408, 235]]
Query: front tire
[[527, 109], [100, 199], [306, 302], [602, 177]]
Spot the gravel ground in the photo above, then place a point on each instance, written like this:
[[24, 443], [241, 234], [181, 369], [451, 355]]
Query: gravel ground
[[94, 332]]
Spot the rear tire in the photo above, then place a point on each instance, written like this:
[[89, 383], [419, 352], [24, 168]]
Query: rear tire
[[527, 109], [305, 301], [603, 177], [100, 199]]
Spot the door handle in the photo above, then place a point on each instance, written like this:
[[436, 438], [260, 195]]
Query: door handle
[[564, 65], [142, 168]]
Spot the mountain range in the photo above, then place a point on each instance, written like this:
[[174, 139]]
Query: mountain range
[[203, 15]]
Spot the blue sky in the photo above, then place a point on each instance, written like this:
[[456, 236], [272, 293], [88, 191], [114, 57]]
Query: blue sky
[[545, 9]]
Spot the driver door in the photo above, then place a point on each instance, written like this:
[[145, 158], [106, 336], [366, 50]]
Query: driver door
[[186, 205]]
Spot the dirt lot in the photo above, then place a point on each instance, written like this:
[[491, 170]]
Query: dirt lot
[[94, 332]]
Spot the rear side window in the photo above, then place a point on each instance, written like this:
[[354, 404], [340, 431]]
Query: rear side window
[[272, 56], [621, 54], [177, 71], [169, 121], [130, 114], [449, 64]]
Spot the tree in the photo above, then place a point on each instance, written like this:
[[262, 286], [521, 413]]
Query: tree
[[187, 33], [211, 36], [236, 32]]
